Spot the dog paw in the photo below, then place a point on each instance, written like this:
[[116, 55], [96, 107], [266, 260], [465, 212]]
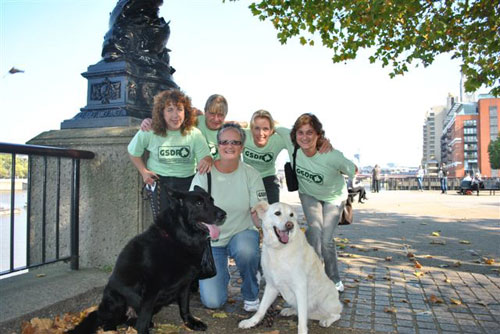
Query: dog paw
[[249, 323], [196, 325], [329, 321], [288, 312]]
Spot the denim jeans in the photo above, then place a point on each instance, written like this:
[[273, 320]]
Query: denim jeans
[[444, 184], [419, 180], [244, 249], [322, 220]]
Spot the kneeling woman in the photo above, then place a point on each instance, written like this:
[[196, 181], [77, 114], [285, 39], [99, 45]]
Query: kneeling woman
[[176, 148], [322, 189], [236, 187]]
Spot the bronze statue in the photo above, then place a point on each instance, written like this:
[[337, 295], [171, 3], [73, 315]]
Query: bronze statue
[[138, 34]]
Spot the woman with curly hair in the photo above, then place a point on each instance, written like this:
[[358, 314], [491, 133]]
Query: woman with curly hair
[[176, 148], [322, 189]]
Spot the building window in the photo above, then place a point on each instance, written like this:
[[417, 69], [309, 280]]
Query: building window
[[493, 123]]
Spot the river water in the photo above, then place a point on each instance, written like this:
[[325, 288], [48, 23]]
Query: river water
[[20, 227]]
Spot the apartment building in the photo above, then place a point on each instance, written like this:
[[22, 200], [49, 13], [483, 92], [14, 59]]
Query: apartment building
[[467, 131], [432, 131]]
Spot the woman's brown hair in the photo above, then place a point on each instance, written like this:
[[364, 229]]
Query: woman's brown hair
[[177, 98], [314, 122]]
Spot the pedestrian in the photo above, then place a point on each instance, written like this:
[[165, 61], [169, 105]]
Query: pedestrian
[[420, 177], [322, 189], [376, 176], [235, 187], [443, 180]]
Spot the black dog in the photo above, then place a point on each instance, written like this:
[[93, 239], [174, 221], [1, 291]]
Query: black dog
[[158, 266]]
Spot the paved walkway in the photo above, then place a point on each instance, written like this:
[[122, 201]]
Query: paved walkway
[[411, 263]]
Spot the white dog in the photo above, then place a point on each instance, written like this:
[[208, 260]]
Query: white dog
[[293, 269]]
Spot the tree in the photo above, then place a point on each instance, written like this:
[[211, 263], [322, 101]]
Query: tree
[[494, 153], [399, 33], [6, 166]]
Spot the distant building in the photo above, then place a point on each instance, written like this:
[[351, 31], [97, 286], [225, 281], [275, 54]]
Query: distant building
[[432, 130], [468, 129]]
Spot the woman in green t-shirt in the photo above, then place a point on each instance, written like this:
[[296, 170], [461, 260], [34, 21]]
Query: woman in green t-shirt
[[322, 189], [176, 148]]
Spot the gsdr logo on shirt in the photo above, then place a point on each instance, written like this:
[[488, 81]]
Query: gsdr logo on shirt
[[257, 157], [309, 176], [174, 153]]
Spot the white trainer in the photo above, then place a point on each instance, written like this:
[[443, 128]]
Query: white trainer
[[251, 306], [340, 286]]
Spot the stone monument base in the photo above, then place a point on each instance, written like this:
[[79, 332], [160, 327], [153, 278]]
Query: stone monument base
[[112, 210]]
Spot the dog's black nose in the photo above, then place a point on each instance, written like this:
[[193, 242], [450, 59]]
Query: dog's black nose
[[289, 225], [221, 214]]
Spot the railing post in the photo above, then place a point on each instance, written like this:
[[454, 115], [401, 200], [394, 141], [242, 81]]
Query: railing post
[[75, 212]]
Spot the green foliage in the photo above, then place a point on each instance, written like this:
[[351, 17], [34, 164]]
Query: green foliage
[[494, 153], [6, 166], [398, 32]]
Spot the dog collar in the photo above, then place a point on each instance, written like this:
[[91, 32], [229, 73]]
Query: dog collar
[[163, 234]]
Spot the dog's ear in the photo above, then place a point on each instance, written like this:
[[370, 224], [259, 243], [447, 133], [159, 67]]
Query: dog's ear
[[174, 196], [197, 188], [261, 209]]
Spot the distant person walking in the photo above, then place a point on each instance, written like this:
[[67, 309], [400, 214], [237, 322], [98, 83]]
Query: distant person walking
[[376, 178], [442, 174], [420, 177]]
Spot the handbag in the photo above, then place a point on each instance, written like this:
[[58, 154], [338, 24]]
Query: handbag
[[291, 175], [208, 268], [347, 213]]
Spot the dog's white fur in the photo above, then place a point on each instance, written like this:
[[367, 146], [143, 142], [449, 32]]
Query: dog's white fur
[[293, 270]]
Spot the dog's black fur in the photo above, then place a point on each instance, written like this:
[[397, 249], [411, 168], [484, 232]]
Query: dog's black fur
[[158, 266]]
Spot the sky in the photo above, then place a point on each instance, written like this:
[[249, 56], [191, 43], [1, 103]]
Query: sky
[[218, 48]]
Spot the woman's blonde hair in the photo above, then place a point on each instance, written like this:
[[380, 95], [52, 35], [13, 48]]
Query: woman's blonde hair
[[216, 104], [314, 122], [177, 98], [262, 114]]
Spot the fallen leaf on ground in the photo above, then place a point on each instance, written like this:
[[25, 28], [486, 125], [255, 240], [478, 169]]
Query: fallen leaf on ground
[[404, 301], [375, 249], [455, 301], [390, 310], [219, 315], [341, 246], [418, 265], [465, 242], [477, 261], [40, 275], [428, 256], [410, 255], [488, 261], [347, 300], [370, 276], [435, 300], [418, 273], [435, 234], [438, 242], [388, 258], [447, 280], [457, 264], [444, 266]]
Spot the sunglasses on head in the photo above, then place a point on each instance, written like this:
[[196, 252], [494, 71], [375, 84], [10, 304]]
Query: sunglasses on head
[[230, 142]]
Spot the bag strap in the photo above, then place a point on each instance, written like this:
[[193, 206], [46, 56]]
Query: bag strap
[[209, 181], [294, 158]]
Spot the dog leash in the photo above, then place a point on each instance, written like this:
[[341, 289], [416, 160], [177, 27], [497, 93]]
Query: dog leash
[[148, 192]]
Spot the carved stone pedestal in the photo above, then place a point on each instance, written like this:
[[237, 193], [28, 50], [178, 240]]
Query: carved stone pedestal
[[119, 94]]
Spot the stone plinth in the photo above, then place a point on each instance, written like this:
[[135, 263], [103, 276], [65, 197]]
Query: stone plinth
[[119, 93], [112, 210]]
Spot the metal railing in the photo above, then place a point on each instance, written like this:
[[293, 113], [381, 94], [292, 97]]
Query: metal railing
[[45, 153]]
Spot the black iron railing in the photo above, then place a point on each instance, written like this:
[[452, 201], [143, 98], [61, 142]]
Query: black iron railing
[[41, 169]]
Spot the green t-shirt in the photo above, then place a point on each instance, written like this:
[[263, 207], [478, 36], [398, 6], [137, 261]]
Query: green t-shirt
[[210, 136], [263, 159], [174, 155], [236, 193], [322, 175]]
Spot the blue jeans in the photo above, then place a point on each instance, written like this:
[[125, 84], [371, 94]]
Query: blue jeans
[[322, 220], [419, 180], [244, 249], [444, 184]]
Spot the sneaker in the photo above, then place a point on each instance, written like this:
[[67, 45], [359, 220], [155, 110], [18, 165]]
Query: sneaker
[[251, 306], [340, 286]]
